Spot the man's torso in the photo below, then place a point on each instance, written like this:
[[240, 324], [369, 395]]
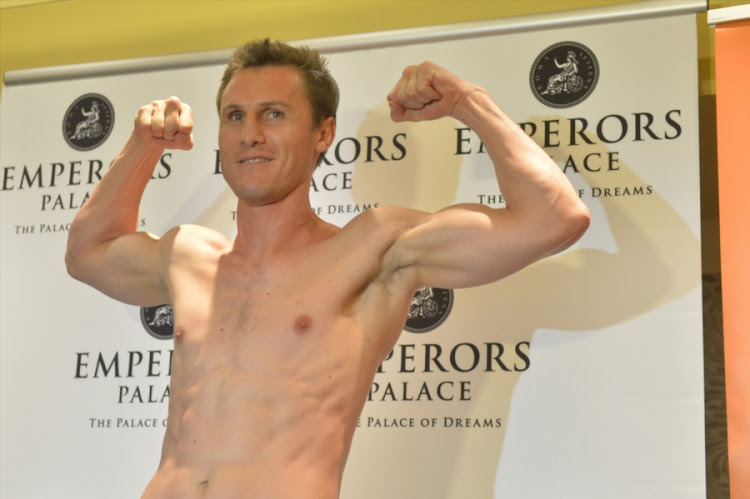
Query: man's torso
[[273, 362]]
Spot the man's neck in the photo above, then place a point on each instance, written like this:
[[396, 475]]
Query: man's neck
[[268, 230]]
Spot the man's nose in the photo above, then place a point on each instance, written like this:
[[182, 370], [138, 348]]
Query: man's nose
[[252, 132]]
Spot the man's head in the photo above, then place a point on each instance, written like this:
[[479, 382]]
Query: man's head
[[270, 138], [321, 89]]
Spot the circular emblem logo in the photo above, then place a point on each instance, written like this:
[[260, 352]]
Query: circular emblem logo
[[158, 321], [429, 308], [88, 122], [564, 74]]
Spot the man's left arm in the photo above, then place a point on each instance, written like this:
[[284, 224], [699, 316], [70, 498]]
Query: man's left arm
[[471, 244]]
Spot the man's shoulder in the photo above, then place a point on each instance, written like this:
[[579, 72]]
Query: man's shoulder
[[377, 231], [383, 217], [190, 238]]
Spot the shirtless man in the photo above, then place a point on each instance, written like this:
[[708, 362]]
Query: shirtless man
[[278, 334]]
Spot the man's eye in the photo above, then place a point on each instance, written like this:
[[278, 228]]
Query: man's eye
[[235, 116], [274, 113]]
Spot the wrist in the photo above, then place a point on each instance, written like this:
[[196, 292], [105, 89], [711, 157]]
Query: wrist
[[473, 105], [145, 143], [141, 151]]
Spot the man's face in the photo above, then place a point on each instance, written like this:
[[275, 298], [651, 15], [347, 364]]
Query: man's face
[[267, 143]]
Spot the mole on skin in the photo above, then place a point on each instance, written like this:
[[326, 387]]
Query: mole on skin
[[302, 324]]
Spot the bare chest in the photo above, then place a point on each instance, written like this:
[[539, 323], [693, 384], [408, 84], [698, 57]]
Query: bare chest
[[293, 303], [290, 320]]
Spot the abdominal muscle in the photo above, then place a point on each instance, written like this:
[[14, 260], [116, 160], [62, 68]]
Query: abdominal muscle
[[275, 425]]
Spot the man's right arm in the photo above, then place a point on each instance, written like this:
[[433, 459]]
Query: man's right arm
[[104, 249]]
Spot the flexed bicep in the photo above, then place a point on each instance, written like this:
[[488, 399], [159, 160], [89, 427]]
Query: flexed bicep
[[128, 268], [462, 246]]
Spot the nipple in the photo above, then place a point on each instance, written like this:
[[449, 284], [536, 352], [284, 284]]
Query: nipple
[[302, 324], [179, 334]]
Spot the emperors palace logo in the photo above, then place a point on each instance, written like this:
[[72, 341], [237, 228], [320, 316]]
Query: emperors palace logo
[[428, 310], [564, 74], [88, 122], [158, 321]]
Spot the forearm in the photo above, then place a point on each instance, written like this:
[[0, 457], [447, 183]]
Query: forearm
[[112, 209], [537, 194], [524, 170], [532, 184]]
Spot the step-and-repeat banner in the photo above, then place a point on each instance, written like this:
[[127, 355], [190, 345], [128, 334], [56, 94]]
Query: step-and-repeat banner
[[580, 376]]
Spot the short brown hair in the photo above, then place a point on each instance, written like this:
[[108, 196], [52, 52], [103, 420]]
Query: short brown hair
[[321, 89]]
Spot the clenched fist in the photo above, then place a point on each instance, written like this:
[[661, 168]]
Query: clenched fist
[[167, 123], [426, 92]]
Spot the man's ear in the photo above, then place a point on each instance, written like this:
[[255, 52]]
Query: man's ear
[[326, 133]]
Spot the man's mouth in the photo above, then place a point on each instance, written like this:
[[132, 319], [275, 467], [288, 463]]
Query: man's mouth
[[255, 160]]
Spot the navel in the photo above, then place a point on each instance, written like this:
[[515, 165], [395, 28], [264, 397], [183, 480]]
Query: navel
[[302, 324]]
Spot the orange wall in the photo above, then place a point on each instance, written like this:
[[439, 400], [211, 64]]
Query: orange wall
[[733, 131]]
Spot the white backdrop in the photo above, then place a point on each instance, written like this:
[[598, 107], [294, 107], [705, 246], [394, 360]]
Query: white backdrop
[[578, 377]]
